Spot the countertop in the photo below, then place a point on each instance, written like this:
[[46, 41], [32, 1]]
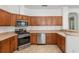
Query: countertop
[[6, 35], [64, 33], [61, 32], [48, 31]]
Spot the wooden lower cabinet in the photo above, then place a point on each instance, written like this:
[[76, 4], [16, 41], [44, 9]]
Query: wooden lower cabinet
[[5, 46], [13, 43], [50, 38], [8, 45], [33, 38], [61, 42]]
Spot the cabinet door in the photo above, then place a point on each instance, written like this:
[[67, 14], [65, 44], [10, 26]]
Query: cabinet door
[[43, 21], [19, 17], [13, 43], [5, 46], [5, 18], [16, 42], [57, 20], [34, 21], [63, 44], [27, 19], [58, 40], [8, 45], [51, 38], [48, 21], [33, 38], [13, 19]]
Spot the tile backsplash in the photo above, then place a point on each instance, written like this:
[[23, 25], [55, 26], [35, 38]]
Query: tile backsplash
[[7, 29], [12, 28], [46, 27]]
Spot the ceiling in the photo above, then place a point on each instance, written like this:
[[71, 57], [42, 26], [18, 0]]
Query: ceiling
[[49, 6]]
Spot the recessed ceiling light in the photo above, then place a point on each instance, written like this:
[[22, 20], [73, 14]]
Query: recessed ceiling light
[[44, 5]]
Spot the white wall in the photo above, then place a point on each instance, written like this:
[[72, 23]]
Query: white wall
[[45, 12], [15, 9], [32, 12], [72, 43], [11, 8], [65, 18]]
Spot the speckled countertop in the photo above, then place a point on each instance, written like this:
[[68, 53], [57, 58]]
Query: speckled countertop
[[47, 31], [6, 35], [61, 32]]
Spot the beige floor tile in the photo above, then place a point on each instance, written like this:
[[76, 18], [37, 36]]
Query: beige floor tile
[[40, 49]]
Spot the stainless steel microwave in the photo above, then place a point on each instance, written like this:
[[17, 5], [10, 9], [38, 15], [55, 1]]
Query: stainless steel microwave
[[21, 23]]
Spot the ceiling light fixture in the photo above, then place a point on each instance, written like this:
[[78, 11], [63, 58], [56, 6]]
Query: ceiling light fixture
[[44, 5]]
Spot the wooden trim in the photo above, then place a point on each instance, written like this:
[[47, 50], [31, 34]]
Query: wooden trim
[[45, 16]]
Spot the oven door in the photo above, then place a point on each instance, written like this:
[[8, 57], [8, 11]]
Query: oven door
[[23, 40]]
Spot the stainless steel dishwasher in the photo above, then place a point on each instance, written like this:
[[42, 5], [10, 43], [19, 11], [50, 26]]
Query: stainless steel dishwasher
[[41, 38]]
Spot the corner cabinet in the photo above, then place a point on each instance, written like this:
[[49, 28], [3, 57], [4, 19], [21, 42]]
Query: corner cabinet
[[8, 45], [61, 42]]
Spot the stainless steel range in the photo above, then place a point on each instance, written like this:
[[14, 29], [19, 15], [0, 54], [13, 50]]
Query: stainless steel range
[[23, 36]]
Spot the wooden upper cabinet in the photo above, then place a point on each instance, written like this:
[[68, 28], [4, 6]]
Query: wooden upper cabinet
[[46, 21], [49, 21], [38, 21], [23, 17], [20, 17], [57, 20], [5, 18], [34, 21], [27, 19], [42, 21], [13, 19]]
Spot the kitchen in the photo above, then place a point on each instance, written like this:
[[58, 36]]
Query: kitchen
[[53, 26]]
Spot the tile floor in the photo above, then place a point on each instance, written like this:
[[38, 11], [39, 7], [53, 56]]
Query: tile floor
[[40, 49]]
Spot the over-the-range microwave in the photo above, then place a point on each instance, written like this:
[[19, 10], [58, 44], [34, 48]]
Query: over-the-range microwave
[[21, 23]]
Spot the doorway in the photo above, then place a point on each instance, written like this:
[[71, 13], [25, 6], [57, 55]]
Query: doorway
[[73, 21]]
